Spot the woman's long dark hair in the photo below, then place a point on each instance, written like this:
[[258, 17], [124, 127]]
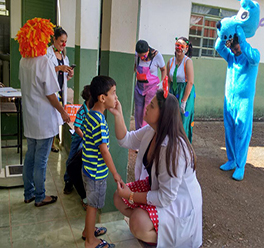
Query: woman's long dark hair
[[170, 124], [152, 53]]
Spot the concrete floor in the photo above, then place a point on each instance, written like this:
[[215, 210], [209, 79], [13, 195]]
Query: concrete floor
[[57, 225]]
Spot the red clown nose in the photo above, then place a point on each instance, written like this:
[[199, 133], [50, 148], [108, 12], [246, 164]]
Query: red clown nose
[[64, 44]]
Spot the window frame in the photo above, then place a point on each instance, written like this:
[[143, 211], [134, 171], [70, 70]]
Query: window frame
[[206, 17]]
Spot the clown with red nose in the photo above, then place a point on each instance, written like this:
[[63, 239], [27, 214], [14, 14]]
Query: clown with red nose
[[56, 53]]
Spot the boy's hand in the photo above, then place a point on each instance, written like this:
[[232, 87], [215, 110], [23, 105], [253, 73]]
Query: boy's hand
[[123, 190], [117, 110], [117, 178]]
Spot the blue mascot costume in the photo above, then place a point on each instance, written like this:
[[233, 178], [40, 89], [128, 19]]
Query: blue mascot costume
[[241, 75]]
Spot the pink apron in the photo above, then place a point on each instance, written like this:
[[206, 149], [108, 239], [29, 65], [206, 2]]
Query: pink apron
[[145, 90]]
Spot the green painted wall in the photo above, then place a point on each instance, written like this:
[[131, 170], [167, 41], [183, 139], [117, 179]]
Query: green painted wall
[[120, 67], [86, 69], [209, 80], [14, 63], [71, 56]]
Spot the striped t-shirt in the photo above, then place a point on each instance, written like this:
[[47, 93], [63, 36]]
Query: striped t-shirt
[[95, 133], [80, 116]]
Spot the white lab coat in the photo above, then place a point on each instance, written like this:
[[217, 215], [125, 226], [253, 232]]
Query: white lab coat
[[38, 80], [51, 55], [178, 199]]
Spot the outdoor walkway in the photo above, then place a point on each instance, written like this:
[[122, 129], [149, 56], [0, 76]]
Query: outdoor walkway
[[56, 226]]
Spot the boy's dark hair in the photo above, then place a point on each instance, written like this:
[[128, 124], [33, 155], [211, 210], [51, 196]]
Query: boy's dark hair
[[100, 85], [86, 95]]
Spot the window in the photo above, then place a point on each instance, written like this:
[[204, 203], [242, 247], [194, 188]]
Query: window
[[202, 33], [3, 9]]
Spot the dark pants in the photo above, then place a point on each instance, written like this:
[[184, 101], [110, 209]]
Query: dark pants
[[74, 170]]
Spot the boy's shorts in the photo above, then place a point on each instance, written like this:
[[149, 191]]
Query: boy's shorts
[[95, 191]]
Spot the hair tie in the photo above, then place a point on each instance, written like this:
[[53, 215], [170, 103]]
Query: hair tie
[[165, 87]]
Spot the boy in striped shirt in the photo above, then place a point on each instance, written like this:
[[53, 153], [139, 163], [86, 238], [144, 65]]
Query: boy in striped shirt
[[96, 157]]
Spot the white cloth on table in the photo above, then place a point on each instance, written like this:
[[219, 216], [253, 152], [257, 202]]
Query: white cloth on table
[[178, 199], [38, 80]]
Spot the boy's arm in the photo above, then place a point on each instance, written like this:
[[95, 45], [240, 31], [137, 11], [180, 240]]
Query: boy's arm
[[78, 131], [109, 161]]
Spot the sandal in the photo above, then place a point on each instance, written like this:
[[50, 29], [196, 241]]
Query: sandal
[[43, 203], [30, 200], [104, 243], [98, 232]]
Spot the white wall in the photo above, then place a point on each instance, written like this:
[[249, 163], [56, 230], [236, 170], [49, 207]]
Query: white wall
[[90, 24], [15, 17], [162, 21], [123, 28], [68, 19]]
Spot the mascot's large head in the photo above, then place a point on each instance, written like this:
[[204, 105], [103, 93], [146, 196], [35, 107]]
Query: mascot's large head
[[247, 18]]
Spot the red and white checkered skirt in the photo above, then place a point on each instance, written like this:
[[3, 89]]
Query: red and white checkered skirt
[[143, 186]]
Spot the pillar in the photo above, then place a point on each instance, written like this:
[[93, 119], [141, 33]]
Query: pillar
[[119, 35], [87, 33]]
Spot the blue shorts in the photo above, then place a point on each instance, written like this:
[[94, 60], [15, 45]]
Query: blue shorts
[[95, 191]]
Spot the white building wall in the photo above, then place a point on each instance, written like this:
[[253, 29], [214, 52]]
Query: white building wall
[[68, 19], [123, 28], [162, 21], [15, 17]]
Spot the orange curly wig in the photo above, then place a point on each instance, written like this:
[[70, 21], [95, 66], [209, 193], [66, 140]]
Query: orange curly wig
[[34, 37]]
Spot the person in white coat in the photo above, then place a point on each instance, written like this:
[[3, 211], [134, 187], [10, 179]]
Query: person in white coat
[[42, 111], [56, 53], [165, 203]]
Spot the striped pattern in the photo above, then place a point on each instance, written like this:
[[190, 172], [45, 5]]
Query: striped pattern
[[79, 120], [95, 133]]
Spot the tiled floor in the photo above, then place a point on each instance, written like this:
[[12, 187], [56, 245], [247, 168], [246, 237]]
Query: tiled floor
[[54, 226]]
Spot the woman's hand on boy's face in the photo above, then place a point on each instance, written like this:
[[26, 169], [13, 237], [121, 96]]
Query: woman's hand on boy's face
[[117, 110]]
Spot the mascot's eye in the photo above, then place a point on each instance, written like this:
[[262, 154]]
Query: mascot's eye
[[243, 15]]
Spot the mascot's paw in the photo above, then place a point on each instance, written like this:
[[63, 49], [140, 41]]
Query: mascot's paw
[[238, 174], [230, 165], [240, 34]]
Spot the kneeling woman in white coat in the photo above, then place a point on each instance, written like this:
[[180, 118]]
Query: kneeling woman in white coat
[[165, 203]]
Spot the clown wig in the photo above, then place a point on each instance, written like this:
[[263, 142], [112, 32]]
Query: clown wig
[[34, 37]]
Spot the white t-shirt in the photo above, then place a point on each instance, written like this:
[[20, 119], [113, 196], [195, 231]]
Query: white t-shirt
[[38, 80], [157, 62]]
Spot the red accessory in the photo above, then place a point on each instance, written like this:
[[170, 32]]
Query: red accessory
[[141, 77], [165, 87], [64, 44]]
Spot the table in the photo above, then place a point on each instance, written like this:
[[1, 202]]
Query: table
[[11, 175]]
